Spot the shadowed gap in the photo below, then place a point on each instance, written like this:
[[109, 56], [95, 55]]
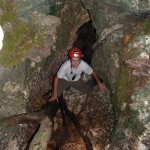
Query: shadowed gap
[[86, 38]]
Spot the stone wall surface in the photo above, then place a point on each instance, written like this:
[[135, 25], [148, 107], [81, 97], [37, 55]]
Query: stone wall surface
[[29, 35], [122, 28], [37, 37], [30, 56]]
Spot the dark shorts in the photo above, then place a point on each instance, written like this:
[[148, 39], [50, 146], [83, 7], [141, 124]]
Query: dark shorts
[[79, 85]]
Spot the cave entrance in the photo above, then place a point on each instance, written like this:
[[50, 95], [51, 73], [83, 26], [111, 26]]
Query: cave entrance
[[86, 38]]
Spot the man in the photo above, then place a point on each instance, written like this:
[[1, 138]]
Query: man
[[70, 73]]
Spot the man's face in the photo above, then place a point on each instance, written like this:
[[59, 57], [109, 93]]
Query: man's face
[[75, 62]]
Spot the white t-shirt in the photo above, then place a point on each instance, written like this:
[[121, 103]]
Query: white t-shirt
[[67, 72]]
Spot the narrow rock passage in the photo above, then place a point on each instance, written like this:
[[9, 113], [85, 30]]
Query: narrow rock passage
[[94, 112]]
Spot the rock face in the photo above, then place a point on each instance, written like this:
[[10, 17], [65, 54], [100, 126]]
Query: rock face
[[30, 56], [37, 37], [115, 46], [95, 113], [29, 37]]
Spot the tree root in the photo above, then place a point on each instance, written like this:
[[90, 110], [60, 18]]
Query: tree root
[[45, 118]]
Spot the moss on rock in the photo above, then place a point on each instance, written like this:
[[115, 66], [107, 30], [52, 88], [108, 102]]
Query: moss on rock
[[124, 87], [20, 37], [18, 43], [147, 26]]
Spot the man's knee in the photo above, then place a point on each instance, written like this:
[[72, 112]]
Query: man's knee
[[62, 85]]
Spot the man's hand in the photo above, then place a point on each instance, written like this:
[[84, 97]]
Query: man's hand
[[101, 87], [53, 98], [55, 94]]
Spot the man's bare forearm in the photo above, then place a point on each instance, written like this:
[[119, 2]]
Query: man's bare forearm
[[56, 86], [100, 84], [96, 78]]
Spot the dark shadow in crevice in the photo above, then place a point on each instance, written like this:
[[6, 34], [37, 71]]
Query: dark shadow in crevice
[[86, 38]]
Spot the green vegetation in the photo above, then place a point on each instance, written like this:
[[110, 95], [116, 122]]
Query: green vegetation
[[122, 83], [147, 26], [9, 11], [125, 84], [19, 37], [18, 42], [122, 88]]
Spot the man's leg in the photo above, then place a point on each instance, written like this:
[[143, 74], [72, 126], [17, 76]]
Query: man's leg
[[82, 86], [62, 85]]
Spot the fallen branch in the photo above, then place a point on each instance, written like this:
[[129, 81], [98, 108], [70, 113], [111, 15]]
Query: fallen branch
[[43, 135], [44, 117], [22, 119]]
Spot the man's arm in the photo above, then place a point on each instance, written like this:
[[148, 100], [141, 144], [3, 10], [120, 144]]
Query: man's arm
[[54, 97], [100, 85]]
